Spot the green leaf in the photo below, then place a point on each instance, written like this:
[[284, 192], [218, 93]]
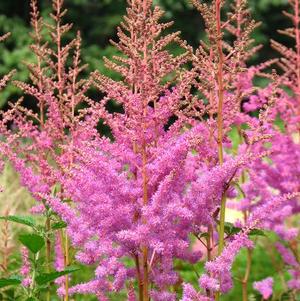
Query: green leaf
[[287, 296], [48, 277], [33, 242], [205, 235], [9, 281], [58, 225], [257, 232], [230, 229], [31, 299], [24, 220]]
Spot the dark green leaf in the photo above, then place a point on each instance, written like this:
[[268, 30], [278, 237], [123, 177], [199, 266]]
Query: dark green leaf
[[257, 232], [48, 277], [287, 296], [58, 225], [33, 242], [9, 281], [205, 235], [24, 220], [230, 229]]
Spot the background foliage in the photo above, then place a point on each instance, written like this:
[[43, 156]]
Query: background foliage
[[97, 21]]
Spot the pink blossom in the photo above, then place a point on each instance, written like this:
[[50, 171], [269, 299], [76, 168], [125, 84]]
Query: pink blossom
[[25, 269], [264, 287]]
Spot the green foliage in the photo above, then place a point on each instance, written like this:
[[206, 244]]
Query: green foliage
[[100, 26], [257, 232], [9, 281], [48, 277], [230, 229], [32, 241], [265, 4], [58, 225], [24, 220], [13, 53]]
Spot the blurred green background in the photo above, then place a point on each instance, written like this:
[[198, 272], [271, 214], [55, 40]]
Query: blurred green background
[[97, 21]]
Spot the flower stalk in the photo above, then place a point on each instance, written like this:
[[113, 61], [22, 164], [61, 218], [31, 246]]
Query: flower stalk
[[246, 276], [220, 123]]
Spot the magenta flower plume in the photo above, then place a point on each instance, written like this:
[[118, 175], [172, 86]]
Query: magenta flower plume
[[25, 270], [218, 277], [265, 287]]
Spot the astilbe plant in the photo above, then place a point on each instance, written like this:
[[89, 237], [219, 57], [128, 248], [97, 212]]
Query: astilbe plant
[[133, 204], [58, 91], [5, 79], [34, 139], [6, 245], [223, 83], [142, 195], [155, 184], [280, 173], [149, 165], [132, 183]]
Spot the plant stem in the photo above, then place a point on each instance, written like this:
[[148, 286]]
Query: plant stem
[[139, 278], [297, 35], [220, 122], [67, 262], [144, 169], [65, 247], [48, 254], [209, 248], [32, 286], [144, 248], [220, 86], [246, 276], [5, 246], [146, 276]]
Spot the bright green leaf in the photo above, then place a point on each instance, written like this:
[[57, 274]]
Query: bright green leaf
[[9, 281], [58, 225], [48, 277], [24, 220], [33, 242], [257, 232]]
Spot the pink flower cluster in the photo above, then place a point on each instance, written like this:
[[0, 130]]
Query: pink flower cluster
[[264, 287]]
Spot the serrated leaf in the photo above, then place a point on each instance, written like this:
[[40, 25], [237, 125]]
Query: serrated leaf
[[230, 229], [24, 220], [9, 281], [58, 225], [33, 242], [48, 277]]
